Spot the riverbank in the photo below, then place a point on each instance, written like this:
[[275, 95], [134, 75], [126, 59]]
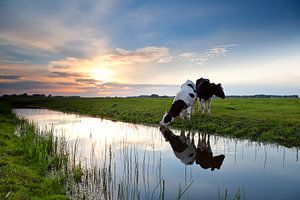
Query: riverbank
[[268, 120], [26, 161]]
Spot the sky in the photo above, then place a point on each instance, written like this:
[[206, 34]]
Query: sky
[[135, 47]]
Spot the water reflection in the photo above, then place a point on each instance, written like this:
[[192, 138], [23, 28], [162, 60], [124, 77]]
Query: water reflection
[[183, 145], [134, 161], [204, 154], [185, 150]]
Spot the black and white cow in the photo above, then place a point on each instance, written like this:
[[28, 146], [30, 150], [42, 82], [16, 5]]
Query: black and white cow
[[182, 104], [205, 92], [182, 145]]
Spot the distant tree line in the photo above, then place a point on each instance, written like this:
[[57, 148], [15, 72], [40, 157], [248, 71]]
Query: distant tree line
[[229, 96], [262, 96], [37, 96], [147, 96]]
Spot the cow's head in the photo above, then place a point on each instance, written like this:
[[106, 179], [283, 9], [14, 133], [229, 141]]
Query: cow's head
[[167, 118], [218, 91]]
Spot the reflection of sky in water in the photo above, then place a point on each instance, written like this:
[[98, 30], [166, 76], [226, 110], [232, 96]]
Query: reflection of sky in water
[[262, 171]]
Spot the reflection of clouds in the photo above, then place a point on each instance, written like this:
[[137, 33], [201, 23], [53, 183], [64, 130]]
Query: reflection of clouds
[[99, 131], [99, 134]]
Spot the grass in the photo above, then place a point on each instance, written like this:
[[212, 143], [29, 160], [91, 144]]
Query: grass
[[26, 160], [269, 120]]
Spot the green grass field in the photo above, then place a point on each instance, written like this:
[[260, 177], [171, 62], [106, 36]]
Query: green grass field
[[25, 161], [271, 120]]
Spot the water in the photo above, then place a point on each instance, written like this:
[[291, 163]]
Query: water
[[141, 163]]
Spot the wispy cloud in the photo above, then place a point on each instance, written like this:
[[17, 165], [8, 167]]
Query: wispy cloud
[[64, 74], [143, 55], [69, 63], [15, 61], [210, 54], [88, 81], [9, 77]]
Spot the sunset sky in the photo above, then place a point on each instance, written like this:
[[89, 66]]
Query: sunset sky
[[125, 48]]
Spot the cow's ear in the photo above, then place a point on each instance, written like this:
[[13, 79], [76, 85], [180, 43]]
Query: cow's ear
[[219, 84]]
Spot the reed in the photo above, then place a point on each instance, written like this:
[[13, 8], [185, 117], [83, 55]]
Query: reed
[[29, 165], [99, 179], [237, 196]]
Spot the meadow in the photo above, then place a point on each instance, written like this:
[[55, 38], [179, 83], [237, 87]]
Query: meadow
[[260, 119], [36, 165], [28, 164]]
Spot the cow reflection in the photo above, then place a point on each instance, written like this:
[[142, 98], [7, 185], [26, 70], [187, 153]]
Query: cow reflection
[[184, 149], [204, 155], [183, 146]]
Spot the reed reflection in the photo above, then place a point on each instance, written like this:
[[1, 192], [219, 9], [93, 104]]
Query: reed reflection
[[185, 150]]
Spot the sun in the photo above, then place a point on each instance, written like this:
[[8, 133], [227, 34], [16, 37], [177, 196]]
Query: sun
[[104, 75]]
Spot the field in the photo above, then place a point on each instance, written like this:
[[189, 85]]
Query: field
[[268, 120], [25, 161]]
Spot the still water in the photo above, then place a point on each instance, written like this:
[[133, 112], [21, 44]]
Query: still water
[[148, 163]]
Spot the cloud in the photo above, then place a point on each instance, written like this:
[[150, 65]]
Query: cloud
[[34, 29], [9, 77], [88, 81], [209, 54], [85, 87], [15, 61], [125, 89], [143, 55], [64, 74], [69, 63], [24, 85]]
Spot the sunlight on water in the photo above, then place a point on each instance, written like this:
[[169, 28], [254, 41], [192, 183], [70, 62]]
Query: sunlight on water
[[148, 163]]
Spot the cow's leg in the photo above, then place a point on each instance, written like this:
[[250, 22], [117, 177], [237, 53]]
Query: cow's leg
[[182, 136], [208, 145], [182, 121], [200, 144], [203, 106], [193, 136], [199, 105], [199, 140], [189, 112], [182, 116], [209, 106]]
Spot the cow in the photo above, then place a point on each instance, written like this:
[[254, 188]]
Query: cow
[[205, 92], [183, 146], [204, 155], [182, 103]]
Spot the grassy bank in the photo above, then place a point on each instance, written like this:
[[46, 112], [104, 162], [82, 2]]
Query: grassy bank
[[272, 120], [26, 161]]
